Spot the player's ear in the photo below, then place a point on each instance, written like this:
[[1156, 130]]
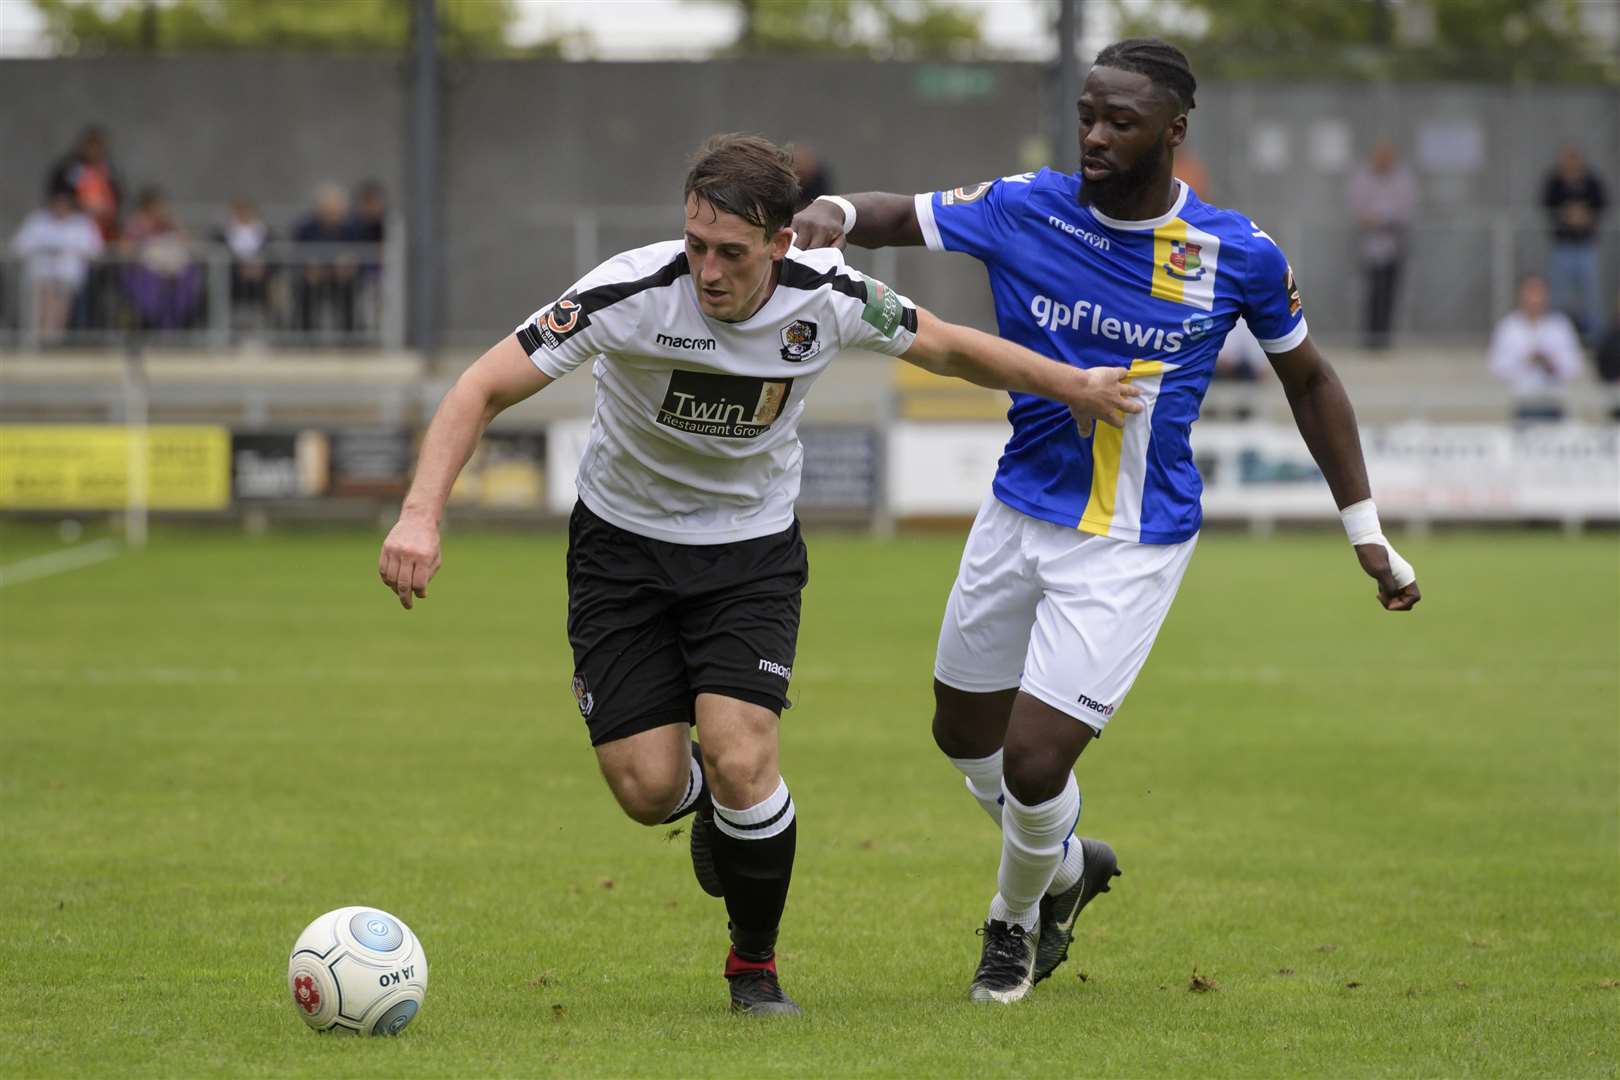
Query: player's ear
[[780, 242], [1177, 131]]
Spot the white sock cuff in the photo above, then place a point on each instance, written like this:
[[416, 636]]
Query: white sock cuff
[[761, 821], [1044, 825], [694, 787], [983, 774]]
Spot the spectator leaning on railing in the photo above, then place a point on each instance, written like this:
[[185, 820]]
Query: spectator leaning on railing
[[326, 276], [245, 236], [1535, 351], [57, 244], [88, 171], [162, 280]]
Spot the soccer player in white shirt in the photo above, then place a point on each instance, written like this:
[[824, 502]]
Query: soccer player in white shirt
[[685, 563]]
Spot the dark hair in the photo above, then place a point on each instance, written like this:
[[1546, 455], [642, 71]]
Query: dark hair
[[1159, 60], [748, 176]]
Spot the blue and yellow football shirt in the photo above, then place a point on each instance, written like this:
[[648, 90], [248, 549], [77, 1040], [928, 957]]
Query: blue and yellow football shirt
[[1156, 296]]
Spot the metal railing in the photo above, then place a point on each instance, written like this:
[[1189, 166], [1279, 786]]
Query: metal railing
[[287, 295]]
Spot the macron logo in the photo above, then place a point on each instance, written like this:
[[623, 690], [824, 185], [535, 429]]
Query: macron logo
[[776, 669], [700, 344], [1098, 242]]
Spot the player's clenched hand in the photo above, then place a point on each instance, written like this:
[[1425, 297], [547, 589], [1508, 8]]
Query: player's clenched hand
[[821, 224], [1376, 562], [1104, 394], [410, 558]]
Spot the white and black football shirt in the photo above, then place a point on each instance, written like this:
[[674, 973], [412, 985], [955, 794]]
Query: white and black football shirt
[[694, 438]]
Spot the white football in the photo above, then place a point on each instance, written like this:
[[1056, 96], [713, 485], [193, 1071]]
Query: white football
[[359, 970]]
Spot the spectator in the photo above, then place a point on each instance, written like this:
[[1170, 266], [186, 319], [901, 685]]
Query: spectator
[[815, 180], [162, 280], [1607, 358], [1575, 200], [87, 171], [368, 226], [1383, 200], [326, 276], [245, 236], [1535, 351], [57, 245]]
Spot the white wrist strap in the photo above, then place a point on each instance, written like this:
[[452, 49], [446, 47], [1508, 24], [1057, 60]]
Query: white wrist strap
[[1362, 527], [843, 204]]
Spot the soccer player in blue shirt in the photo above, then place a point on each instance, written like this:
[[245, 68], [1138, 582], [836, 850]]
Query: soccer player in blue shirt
[[1077, 552]]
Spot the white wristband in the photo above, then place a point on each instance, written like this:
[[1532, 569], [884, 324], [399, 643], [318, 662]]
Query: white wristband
[[843, 204], [1361, 522], [1362, 527]]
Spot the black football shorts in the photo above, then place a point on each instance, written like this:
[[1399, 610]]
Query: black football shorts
[[653, 624]]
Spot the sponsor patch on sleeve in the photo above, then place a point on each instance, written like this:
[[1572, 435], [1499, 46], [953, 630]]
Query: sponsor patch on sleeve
[[1292, 289], [965, 194], [884, 310], [560, 322]]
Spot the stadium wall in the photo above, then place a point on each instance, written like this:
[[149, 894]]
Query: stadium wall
[[551, 164]]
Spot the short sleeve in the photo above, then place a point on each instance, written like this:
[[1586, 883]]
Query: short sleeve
[[1271, 303], [974, 219], [577, 325], [873, 316]]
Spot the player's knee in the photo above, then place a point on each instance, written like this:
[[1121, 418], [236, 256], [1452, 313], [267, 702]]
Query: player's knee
[[740, 773], [647, 796], [1034, 774]]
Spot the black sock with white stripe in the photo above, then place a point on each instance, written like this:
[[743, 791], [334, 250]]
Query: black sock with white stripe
[[697, 789], [754, 857]]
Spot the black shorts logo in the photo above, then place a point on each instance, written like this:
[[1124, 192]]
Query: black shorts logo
[[799, 341], [727, 406], [583, 697]]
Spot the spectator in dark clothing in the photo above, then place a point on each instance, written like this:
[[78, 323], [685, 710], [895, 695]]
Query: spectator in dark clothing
[[1575, 199], [368, 225], [1607, 359], [162, 278], [326, 275], [815, 180], [89, 173], [246, 236]]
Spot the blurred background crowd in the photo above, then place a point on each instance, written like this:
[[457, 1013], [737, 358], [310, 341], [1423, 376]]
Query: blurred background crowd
[[311, 223]]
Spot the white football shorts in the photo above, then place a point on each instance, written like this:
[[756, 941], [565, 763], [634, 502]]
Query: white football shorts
[[1066, 616]]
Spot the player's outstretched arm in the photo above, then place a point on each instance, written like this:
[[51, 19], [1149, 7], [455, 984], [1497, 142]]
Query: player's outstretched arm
[[962, 352], [1327, 422], [881, 219], [500, 378]]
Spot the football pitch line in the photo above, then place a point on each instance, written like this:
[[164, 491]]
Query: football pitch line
[[58, 562]]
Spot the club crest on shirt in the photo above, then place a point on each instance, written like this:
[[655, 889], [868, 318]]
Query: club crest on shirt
[[1184, 263], [799, 341]]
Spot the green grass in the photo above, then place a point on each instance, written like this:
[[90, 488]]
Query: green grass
[[1391, 842]]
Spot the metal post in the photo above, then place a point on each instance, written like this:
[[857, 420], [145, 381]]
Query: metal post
[[422, 183], [1065, 142], [219, 298], [138, 467]]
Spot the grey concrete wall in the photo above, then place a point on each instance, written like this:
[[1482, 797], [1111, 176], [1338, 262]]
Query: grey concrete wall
[[530, 144]]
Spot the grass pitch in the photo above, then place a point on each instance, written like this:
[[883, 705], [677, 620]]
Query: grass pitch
[[1386, 845]]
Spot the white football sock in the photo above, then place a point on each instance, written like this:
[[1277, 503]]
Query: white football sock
[[984, 784], [694, 788], [1032, 839]]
